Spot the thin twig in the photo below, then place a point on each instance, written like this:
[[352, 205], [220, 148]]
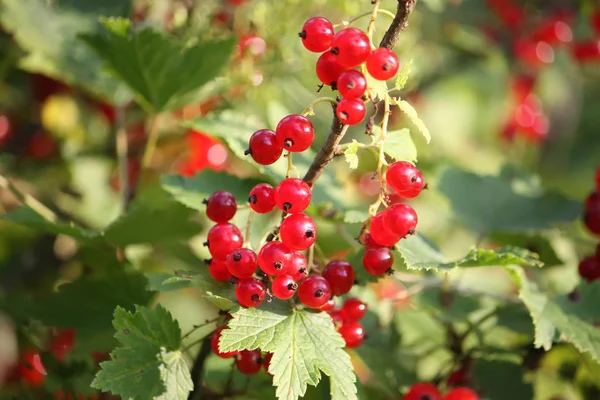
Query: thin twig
[[400, 22], [28, 200], [152, 134], [198, 369]]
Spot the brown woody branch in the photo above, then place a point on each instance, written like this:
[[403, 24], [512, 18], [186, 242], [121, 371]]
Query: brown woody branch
[[329, 149]]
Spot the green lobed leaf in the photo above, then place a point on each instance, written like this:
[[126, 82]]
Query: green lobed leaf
[[377, 89], [402, 77], [351, 155], [303, 344], [149, 365], [400, 146], [534, 242], [412, 115], [356, 216]]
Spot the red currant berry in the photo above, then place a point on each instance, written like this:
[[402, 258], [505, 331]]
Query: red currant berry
[[598, 251], [249, 362], [220, 206], [553, 30], [589, 268], [62, 344], [6, 129], [382, 64], [241, 263], [262, 198], [351, 111], [401, 219], [340, 276], [423, 391], [353, 333], [250, 292], [31, 370], [336, 315], [461, 393], [595, 20], [298, 232], [292, 195], [222, 239], [592, 203], [329, 306], [328, 69], [598, 171], [299, 268], [317, 34], [352, 84], [592, 222], [368, 241], [351, 46], [405, 179], [380, 233], [295, 132], [378, 261], [284, 287], [267, 362], [353, 309], [275, 259], [218, 269], [265, 149], [457, 378], [214, 344], [584, 51], [314, 291]]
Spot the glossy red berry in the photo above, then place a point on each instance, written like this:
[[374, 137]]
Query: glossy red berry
[[592, 221], [351, 46], [595, 20], [314, 291], [405, 179], [62, 344], [317, 34], [295, 133], [378, 261], [340, 276], [382, 64], [401, 219], [31, 370], [265, 149], [249, 362], [299, 268], [352, 84], [6, 128], [461, 393], [598, 179], [329, 306], [262, 198], [380, 232], [298, 232], [328, 69], [218, 269], [351, 111], [222, 239], [250, 292], [589, 268], [242, 263], [214, 344], [423, 391], [221, 206], [353, 333], [40, 146], [588, 50], [353, 309], [553, 30], [275, 259], [284, 287], [267, 361], [292, 195]]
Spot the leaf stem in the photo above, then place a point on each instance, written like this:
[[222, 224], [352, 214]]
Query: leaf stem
[[248, 230], [308, 110], [29, 200], [366, 14], [196, 327], [371, 27], [152, 134], [311, 257], [290, 166]]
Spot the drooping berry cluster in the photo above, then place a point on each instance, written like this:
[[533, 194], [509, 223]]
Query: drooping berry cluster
[[589, 267], [248, 362], [428, 391], [347, 319]]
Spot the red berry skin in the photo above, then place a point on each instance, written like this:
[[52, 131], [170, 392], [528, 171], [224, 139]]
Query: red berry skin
[[352, 84], [461, 393], [314, 291], [340, 276], [595, 20], [295, 133], [328, 69], [405, 179], [351, 46], [353, 333], [351, 111], [299, 268], [401, 219], [284, 287], [218, 270], [423, 391], [62, 344], [589, 268], [377, 261], [262, 198], [265, 149], [249, 362], [598, 177], [292, 195], [214, 344], [267, 362], [242, 263], [275, 259], [329, 306], [223, 238], [250, 292], [382, 64], [31, 370], [586, 51], [598, 251], [380, 232], [592, 222], [298, 232], [6, 129], [317, 34], [553, 30], [353, 309], [221, 206]]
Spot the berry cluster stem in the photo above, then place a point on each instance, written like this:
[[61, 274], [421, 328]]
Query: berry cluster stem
[[248, 230], [309, 109], [371, 27], [152, 133], [29, 200]]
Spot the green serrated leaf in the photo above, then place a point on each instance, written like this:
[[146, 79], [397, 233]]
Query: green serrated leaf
[[536, 243], [356, 216], [412, 115], [149, 365], [303, 344], [400, 146], [351, 154], [402, 77], [376, 89]]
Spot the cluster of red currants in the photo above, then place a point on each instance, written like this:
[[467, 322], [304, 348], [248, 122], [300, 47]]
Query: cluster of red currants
[[248, 362], [347, 319], [589, 267], [526, 118], [420, 391], [342, 53]]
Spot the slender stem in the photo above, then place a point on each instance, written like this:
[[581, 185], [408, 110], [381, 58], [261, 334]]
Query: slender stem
[[229, 384], [320, 252], [366, 14], [248, 231], [400, 23], [152, 133], [198, 369], [309, 108], [196, 327], [290, 166], [122, 156], [311, 257], [29, 200], [371, 27]]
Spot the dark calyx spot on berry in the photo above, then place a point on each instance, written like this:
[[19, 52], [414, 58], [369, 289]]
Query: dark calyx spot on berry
[[411, 232], [386, 66], [247, 152], [292, 286], [207, 261], [335, 50], [575, 295], [252, 199], [126, 331], [351, 85], [278, 265], [286, 206], [318, 293], [356, 282], [413, 179], [237, 256], [204, 201], [302, 34], [344, 115], [233, 280], [309, 233], [333, 85], [320, 87], [271, 237], [302, 270], [423, 396], [205, 243], [390, 271], [255, 298], [426, 186], [289, 142]]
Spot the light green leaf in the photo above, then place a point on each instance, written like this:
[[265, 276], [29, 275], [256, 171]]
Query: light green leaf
[[219, 293], [412, 115], [303, 344], [402, 77], [400, 146], [356, 216], [351, 154], [376, 89], [536, 243], [149, 365]]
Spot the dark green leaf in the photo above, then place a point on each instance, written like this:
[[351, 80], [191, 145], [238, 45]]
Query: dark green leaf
[[400, 146], [106, 8], [534, 243], [502, 380], [28, 217]]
